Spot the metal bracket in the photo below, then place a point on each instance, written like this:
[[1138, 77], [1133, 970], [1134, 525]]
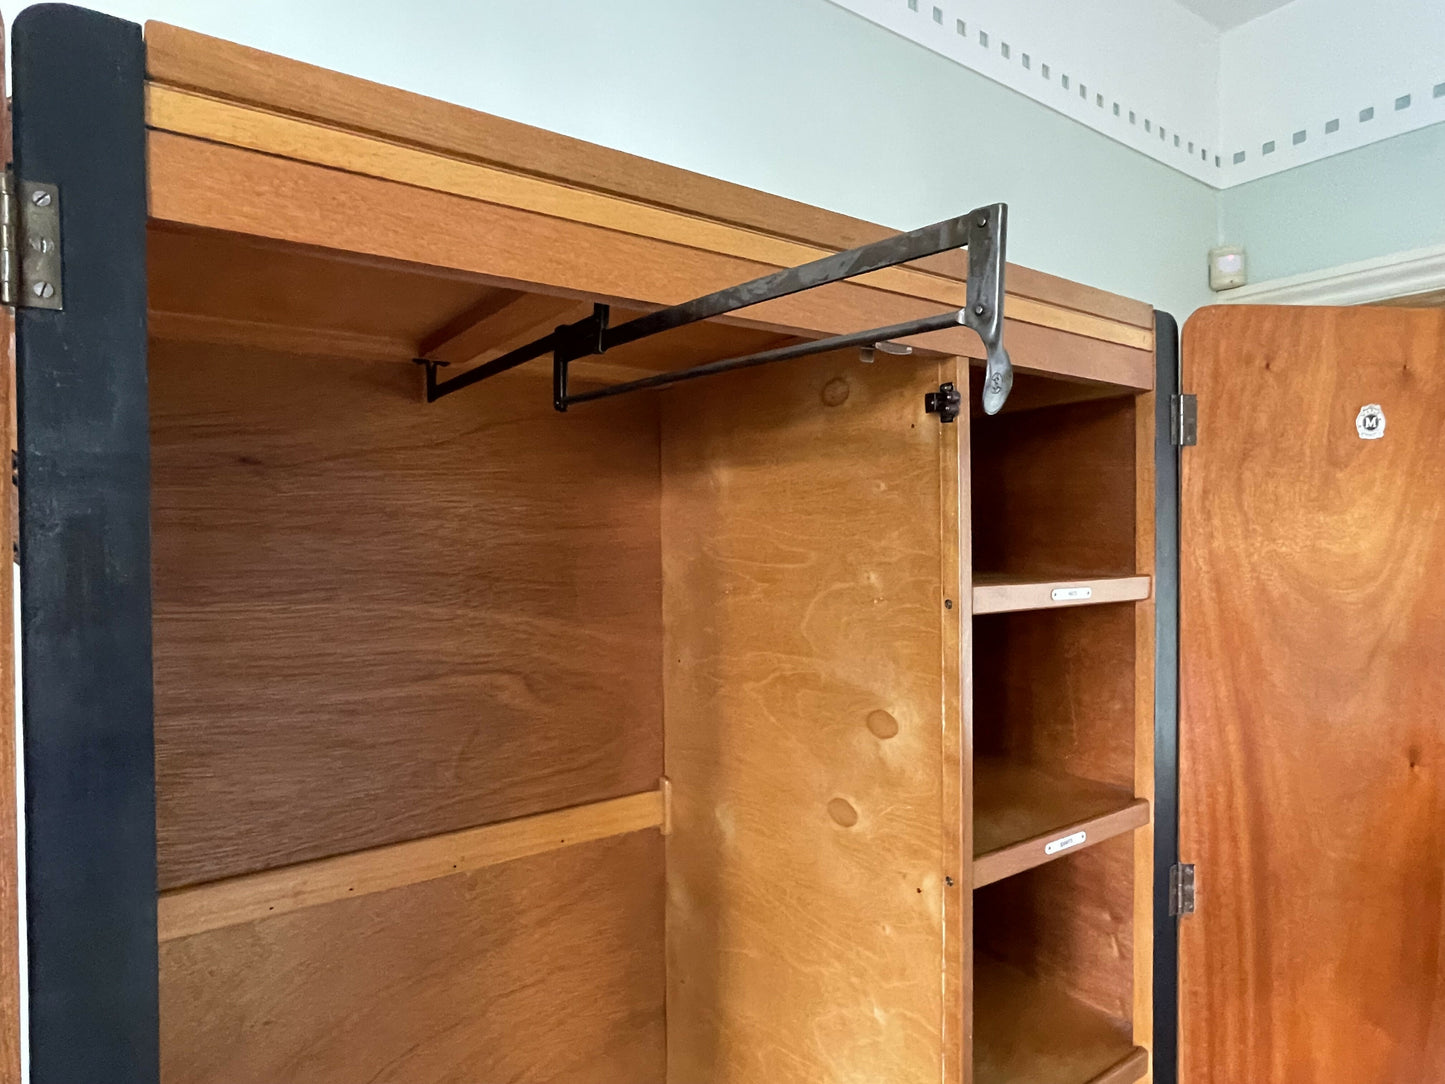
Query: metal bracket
[[946, 402], [987, 227], [431, 365], [1181, 890], [1184, 420], [572, 341], [30, 268], [982, 231]]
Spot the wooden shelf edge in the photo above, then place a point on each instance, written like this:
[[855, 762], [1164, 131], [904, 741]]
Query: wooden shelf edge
[[182, 912], [1009, 595], [185, 113], [1027, 854], [1126, 1070]]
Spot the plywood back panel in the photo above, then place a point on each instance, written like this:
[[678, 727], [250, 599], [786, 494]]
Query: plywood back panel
[[377, 620], [1055, 689], [1054, 490], [813, 731], [547, 970], [1068, 924], [234, 277]]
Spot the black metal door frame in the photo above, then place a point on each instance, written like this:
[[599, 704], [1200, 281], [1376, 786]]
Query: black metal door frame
[[85, 603], [1166, 698]]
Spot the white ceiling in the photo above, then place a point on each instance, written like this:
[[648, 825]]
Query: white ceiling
[[1230, 13]]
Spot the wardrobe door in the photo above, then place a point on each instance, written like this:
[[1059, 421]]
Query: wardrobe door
[[85, 584], [1313, 668]]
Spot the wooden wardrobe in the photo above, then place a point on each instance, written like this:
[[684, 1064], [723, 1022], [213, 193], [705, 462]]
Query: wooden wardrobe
[[763, 729]]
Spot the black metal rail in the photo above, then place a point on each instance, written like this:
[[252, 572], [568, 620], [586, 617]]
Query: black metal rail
[[981, 231]]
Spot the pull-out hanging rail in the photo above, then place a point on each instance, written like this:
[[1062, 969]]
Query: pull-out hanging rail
[[981, 231]]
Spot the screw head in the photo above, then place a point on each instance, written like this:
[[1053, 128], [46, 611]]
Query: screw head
[[43, 289], [980, 310], [983, 220], [40, 198]]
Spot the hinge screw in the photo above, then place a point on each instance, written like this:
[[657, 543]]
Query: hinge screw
[[43, 289], [40, 198], [980, 310], [983, 220]]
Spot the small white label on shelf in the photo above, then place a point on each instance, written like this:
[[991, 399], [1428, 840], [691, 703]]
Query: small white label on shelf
[[1064, 844], [1072, 594]]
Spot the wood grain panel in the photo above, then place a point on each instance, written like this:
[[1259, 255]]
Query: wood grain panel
[[188, 327], [189, 60], [1074, 356], [377, 619], [269, 133], [1029, 1033], [1068, 924], [956, 783], [548, 970], [230, 275], [187, 911], [1054, 491], [1313, 648], [1054, 689], [224, 188], [806, 743]]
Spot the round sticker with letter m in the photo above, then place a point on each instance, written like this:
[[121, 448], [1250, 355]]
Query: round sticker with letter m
[[1370, 422]]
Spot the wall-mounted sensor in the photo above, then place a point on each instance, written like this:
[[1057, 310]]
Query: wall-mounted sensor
[[1226, 267]]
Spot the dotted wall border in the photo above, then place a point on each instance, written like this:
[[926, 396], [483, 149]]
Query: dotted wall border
[[1332, 126], [944, 14]]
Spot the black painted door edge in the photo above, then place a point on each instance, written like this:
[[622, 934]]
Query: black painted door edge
[[1166, 699], [79, 123]]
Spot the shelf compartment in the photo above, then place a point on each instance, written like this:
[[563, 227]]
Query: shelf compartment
[[994, 593], [1024, 816], [1029, 1032]]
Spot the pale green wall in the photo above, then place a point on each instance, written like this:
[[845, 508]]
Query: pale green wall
[[796, 97], [1374, 201]]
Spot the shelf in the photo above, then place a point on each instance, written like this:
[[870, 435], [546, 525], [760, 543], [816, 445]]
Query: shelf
[[994, 594], [1026, 1032], [1019, 812]]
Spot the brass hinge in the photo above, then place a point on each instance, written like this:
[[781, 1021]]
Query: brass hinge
[[1184, 420], [30, 272], [1181, 890]]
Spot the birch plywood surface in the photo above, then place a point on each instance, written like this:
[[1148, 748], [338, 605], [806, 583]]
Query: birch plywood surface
[[1311, 742], [377, 619], [548, 970], [808, 747]]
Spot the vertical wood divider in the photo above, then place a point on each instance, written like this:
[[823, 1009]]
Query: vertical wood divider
[[1144, 727], [957, 718]]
